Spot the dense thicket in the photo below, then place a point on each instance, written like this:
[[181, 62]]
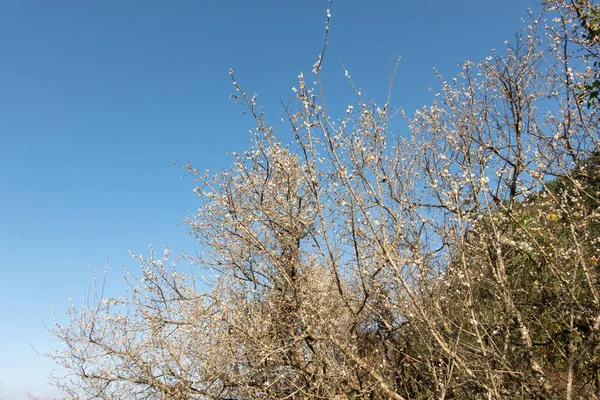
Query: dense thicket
[[460, 260]]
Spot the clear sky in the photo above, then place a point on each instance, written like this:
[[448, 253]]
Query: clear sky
[[97, 98]]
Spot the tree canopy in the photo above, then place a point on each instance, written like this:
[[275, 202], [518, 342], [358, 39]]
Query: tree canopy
[[458, 260]]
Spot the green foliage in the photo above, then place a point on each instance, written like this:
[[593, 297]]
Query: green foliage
[[589, 19], [545, 276]]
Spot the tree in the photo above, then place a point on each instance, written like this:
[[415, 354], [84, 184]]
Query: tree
[[356, 263]]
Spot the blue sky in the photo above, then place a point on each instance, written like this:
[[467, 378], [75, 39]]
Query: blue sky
[[98, 98]]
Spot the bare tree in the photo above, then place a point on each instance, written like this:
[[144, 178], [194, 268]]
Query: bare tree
[[459, 260]]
